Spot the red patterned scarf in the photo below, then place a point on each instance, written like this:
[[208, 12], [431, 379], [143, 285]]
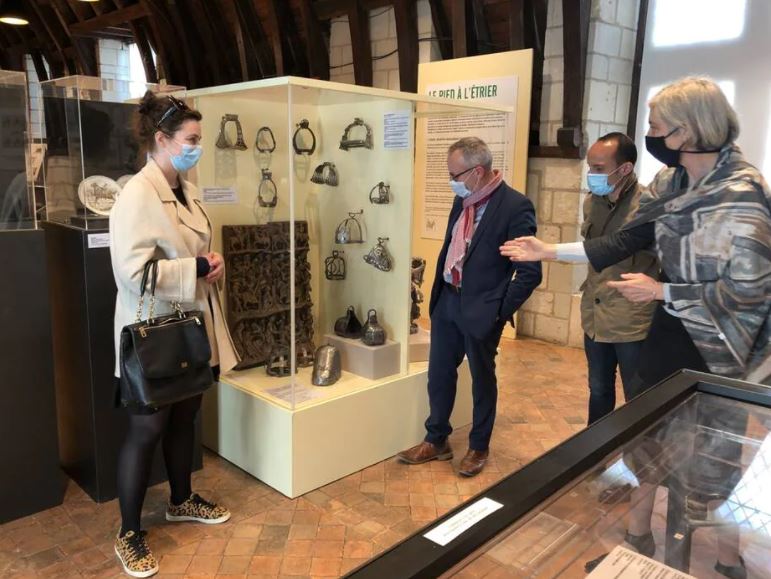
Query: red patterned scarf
[[464, 229]]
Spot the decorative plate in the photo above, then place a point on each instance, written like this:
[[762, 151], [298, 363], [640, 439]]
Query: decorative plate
[[98, 194], [123, 179]]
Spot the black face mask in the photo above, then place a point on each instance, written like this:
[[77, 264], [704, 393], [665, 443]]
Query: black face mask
[[670, 157], [658, 148]]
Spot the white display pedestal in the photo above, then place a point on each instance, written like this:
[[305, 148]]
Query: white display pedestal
[[373, 362], [420, 345], [335, 431]]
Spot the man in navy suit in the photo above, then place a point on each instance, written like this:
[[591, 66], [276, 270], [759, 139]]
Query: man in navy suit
[[476, 291]]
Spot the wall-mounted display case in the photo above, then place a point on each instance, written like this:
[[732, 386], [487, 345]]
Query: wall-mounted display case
[[91, 150], [309, 188], [692, 456]]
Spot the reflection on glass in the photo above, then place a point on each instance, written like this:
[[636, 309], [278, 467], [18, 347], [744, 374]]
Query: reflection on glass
[[16, 211], [697, 479], [684, 22]]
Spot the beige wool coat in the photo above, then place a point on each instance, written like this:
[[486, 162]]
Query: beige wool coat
[[147, 222]]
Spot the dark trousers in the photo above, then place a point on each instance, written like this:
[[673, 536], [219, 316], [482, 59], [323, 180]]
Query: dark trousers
[[602, 359], [449, 343]]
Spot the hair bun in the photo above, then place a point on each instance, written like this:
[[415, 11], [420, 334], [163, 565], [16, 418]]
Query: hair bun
[[147, 103]]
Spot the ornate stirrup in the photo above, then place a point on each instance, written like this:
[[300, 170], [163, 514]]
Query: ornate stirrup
[[347, 142], [223, 142], [334, 266], [379, 256], [380, 194], [349, 230], [267, 194], [263, 134], [299, 147]]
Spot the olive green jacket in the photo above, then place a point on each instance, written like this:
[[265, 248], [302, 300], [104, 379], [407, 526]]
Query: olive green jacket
[[606, 315]]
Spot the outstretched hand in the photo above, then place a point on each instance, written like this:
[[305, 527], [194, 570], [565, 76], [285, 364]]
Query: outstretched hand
[[528, 249]]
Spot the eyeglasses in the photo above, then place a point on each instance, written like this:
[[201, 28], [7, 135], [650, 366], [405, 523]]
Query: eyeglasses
[[174, 106], [455, 177]]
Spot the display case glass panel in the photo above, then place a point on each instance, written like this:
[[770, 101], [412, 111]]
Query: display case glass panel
[[91, 149], [690, 459], [17, 170], [308, 185]]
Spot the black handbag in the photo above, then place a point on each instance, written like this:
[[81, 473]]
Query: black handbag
[[163, 359]]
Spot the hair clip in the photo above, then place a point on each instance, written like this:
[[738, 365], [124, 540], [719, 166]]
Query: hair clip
[[379, 256], [303, 125], [380, 194], [267, 194], [265, 132], [223, 142], [347, 143]]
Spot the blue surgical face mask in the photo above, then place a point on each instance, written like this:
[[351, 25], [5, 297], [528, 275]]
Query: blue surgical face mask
[[598, 183], [460, 189], [187, 158]]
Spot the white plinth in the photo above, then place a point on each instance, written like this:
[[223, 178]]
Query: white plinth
[[373, 362], [420, 345], [336, 431]]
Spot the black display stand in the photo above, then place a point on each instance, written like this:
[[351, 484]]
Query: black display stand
[[91, 428], [32, 480]]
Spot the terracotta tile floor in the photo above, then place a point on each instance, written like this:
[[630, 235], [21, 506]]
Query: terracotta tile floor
[[329, 531]]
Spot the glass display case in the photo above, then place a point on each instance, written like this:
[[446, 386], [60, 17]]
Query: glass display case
[[309, 188], [18, 172], [91, 149], [689, 460]]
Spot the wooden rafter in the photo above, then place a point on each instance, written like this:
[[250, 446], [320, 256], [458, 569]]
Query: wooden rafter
[[108, 20], [361, 45], [442, 28], [255, 37], [406, 16], [575, 39], [634, 100], [317, 50], [481, 38], [459, 43]]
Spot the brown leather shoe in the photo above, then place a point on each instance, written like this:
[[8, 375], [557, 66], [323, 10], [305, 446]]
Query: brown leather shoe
[[425, 452], [473, 463]]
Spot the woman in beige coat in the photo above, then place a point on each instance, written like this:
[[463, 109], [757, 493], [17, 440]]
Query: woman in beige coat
[[159, 216]]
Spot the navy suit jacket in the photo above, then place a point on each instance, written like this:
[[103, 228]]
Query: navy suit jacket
[[493, 287]]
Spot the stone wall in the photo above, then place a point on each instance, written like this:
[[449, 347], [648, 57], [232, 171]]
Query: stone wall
[[385, 71]]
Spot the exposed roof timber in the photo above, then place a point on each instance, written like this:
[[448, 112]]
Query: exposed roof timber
[[109, 20]]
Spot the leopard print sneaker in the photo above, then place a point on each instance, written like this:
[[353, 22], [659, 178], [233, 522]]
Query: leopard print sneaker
[[197, 509], [135, 555]]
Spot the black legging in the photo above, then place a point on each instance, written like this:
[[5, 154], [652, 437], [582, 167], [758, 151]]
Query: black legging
[[176, 424]]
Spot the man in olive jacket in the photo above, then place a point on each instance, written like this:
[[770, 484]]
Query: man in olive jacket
[[614, 328]]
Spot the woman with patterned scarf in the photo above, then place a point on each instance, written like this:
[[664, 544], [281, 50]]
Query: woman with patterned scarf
[[711, 228]]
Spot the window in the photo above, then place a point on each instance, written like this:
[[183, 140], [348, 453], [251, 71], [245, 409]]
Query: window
[[683, 22]]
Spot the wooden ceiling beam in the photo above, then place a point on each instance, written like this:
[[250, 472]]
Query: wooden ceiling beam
[[575, 40], [406, 17], [361, 44], [516, 24], [316, 47], [255, 38], [459, 38], [82, 10], [327, 9], [165, 39], [481, 38], [109, 20], [441, 28]]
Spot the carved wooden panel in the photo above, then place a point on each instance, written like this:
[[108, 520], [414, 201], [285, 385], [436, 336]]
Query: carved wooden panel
[[258, 289]]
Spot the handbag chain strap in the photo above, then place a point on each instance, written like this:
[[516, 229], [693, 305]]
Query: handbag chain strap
[[152, 265]]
